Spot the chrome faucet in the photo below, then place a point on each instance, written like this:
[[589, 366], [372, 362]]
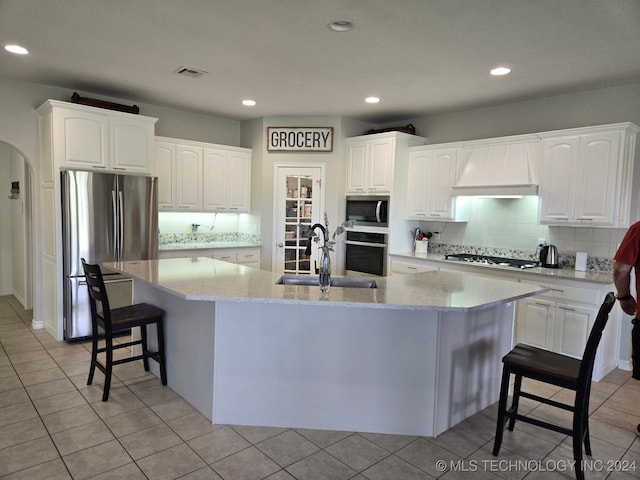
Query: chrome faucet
[[313, 234]]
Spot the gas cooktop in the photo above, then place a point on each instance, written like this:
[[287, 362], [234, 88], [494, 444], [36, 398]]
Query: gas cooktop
[[488, 260]]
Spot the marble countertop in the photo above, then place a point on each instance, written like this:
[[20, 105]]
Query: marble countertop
[[530, 274], [206, 245], [202, 278]]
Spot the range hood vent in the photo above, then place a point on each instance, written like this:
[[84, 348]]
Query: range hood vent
[[498, 169]]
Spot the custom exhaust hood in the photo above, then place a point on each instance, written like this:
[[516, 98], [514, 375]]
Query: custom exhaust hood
[[498, 169]]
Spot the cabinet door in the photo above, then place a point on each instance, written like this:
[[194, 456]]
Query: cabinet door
[[535, 323], [557, 187], [417, 190], [214, 181], [431, 175], [131, 145], [239, 182], [188, 177], [572, 329], [441, 176], [357, 167], [381, 161], [596, 177], [83, 139], [164, 169]]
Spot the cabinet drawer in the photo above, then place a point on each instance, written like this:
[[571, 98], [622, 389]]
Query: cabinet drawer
[[231, 257], [572, 294], [401, 268], [249, 256]]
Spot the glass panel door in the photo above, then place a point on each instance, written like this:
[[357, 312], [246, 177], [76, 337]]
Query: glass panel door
[[298, 207]]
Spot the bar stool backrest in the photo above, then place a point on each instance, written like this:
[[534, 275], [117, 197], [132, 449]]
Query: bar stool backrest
[[98, 299]]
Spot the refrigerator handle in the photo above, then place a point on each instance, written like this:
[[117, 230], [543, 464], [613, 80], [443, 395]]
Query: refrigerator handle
[[121, 223], [115, 225]]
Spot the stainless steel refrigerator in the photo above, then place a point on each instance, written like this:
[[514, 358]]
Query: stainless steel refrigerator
[[106, 217]]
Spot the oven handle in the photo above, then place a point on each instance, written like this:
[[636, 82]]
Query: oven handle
[[365, 244], [378, 207]]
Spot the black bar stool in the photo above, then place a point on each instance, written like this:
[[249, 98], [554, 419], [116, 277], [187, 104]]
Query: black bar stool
[[556, 369], [116, 320]]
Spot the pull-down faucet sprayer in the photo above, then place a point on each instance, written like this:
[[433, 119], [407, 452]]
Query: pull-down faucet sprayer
[[312, 234]]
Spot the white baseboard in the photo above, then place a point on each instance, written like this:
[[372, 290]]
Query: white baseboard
[[39, 325], [625, 365]]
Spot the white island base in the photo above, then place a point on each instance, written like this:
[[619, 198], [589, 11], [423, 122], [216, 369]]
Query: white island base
[[383, 370]]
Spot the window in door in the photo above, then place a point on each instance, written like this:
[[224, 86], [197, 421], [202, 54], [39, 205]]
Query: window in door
[[298, 201]]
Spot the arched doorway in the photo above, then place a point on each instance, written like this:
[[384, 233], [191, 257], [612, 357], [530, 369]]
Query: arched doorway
[[16, 235]]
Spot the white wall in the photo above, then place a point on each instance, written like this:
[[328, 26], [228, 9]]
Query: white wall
[[6, 238], [14, 262], [19, 217], [264, 162]]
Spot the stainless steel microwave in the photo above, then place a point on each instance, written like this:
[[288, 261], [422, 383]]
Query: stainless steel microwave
[[368, 210]]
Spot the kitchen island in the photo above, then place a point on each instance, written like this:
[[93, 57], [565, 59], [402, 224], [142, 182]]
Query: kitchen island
[[416, 355]]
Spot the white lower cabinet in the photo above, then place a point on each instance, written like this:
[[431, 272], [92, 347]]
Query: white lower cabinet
[[535, 321], [561, 320], [247, 256]]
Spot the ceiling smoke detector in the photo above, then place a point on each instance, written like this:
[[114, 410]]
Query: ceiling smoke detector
[[190, 72]]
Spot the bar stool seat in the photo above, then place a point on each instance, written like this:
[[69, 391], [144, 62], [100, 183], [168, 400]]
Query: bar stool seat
[[117, 320]]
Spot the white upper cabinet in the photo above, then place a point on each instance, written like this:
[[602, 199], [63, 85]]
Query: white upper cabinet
[[587, 175], [82, 138], [432, 172], [86, 137], [226, 180], [371, 161], [202, 177], [165, 169], [131, 144], [188, 183]]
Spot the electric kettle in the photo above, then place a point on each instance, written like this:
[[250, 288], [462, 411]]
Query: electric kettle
[[549, 256]]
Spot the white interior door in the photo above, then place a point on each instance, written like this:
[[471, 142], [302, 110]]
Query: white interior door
[[299, 203]]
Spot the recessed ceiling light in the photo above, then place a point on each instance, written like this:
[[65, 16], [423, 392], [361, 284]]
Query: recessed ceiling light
[[17, 49], [249, 103], [340, 25], [498, 71], [372, 100]]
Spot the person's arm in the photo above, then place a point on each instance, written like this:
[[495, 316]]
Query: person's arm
[[622, 281]]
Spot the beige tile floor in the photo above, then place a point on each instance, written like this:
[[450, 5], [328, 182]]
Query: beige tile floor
[[53, 426]]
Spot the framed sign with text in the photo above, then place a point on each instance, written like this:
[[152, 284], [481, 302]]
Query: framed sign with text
[[300, 139]]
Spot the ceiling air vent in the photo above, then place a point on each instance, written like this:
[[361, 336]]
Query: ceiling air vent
[[190, 72]]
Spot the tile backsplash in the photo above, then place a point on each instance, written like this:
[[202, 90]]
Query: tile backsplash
[[177, 226], [501, 224], [181, 222]]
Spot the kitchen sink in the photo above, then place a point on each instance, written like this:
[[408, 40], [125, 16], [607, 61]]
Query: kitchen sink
[[347, 282]]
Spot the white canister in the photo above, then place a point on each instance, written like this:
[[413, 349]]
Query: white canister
[[581, 261], [421, 246]]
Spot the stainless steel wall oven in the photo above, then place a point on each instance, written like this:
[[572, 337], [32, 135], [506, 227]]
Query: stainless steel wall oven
[[365, 252]]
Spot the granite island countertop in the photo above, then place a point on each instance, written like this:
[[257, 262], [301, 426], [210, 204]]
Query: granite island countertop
[[531, 274], [206, 279]]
